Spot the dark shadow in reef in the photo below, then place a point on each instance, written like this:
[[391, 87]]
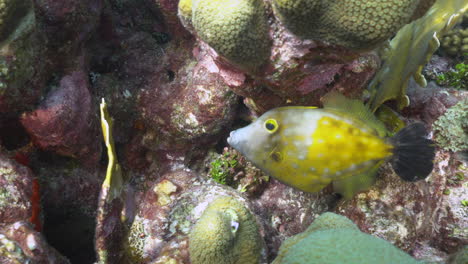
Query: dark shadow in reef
[[12, 134], [71, 232]]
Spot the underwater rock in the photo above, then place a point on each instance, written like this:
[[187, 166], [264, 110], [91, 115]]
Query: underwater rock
[[429, 103], [285, 211], [426, 218], [161, 231], [151, 224], [301, 72], [451, 129], [15, 191], [22, 79], [192, 109], [329, 232], [67, 25], [19, 243], [65, 122]]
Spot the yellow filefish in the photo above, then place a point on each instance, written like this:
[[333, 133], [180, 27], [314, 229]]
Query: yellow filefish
[[343, 142]]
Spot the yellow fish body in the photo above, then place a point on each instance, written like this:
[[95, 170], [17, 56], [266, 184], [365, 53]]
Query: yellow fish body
[[308, 148]]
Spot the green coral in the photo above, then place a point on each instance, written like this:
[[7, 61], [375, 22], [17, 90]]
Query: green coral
[[457, 79], [225, 233], [451, 129], [410, 50], [333, 239], [455, 42], [357, 24], [236, 29]]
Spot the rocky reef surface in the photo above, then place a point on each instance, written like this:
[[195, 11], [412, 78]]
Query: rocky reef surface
[[176, 77]]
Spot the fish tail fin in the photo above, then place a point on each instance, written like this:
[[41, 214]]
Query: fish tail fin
[[413, 153]]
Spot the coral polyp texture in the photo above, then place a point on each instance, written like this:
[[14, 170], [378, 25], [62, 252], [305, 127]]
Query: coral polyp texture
[[329, 232], [237, 30], [455, 42], [226, 233], [355, 24]]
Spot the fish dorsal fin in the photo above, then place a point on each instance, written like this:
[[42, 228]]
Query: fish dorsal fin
[[353, 109]]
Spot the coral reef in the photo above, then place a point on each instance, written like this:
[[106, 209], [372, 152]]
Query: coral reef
[[174, 95], [15, 191], [455, 42], [329, 232], [225, 233], [451, 129], [22, 80], [239, 33], [19, 243], [65, 122], [353, 24]]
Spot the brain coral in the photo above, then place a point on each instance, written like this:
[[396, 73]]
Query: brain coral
[[236, 29], [333, 239], [226, 233], [356, 24]]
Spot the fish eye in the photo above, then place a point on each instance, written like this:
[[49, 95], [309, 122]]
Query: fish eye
[[271, 125]]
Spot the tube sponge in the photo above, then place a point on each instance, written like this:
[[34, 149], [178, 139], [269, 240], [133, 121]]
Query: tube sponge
[[226, 233]]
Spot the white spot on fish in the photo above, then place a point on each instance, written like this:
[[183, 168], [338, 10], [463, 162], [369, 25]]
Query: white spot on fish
[[319, 155], [338, 136], [295, 166], [297, 143], [326, 170], [325, 122], [301, 157]]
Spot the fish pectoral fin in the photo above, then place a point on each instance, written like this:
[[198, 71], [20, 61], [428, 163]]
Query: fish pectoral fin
[[349, 186]]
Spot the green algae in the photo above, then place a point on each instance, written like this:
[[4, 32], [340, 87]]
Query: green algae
[[410, 50], [451, 129], [457, 79]]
